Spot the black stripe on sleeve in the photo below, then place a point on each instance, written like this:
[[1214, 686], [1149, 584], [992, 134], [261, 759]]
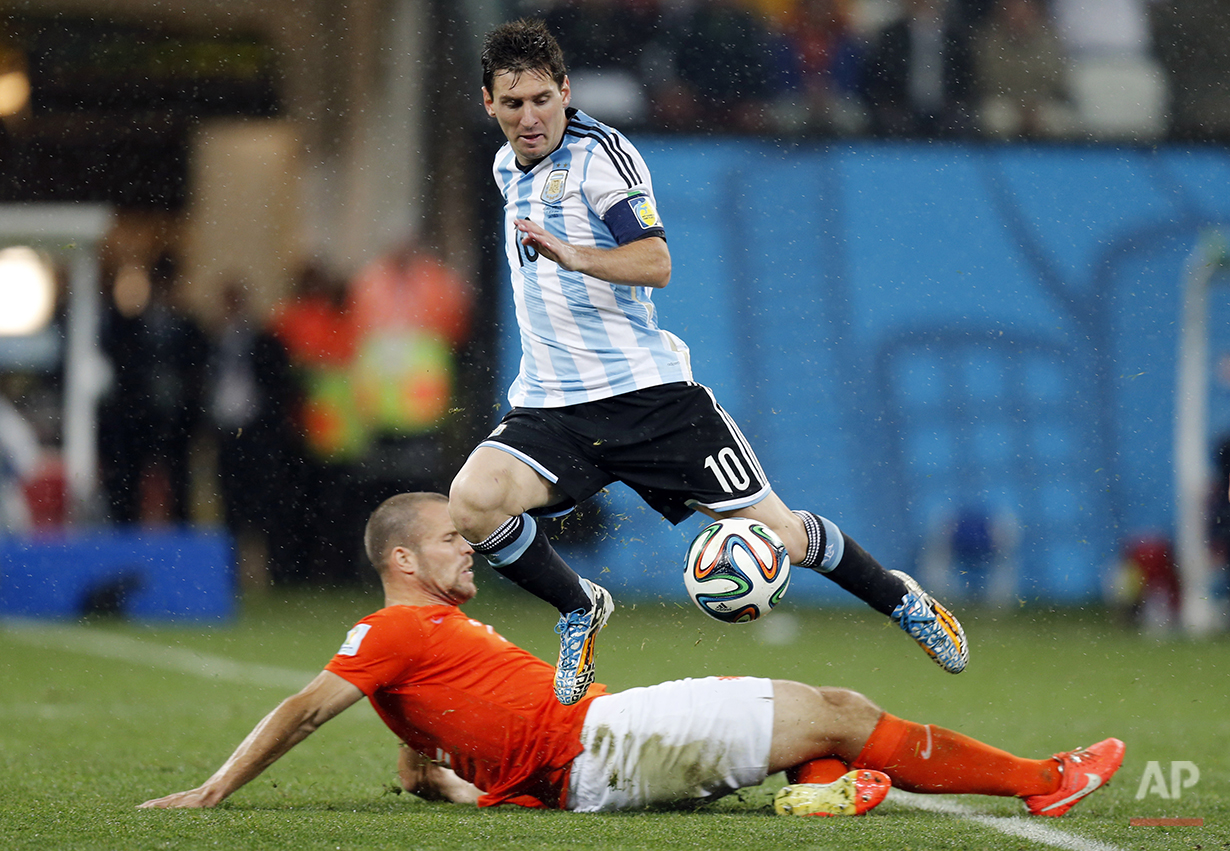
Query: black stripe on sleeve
[[623, 162]]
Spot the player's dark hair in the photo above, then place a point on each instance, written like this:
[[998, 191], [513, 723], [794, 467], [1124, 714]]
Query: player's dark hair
[[395, 523], [520, 46]]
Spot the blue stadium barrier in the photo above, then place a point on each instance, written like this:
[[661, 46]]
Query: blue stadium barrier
[[155, 575]]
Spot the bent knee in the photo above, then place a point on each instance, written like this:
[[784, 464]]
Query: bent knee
[[852, 715], [491, 487], [472, 509], [464, 497], [846, 702]]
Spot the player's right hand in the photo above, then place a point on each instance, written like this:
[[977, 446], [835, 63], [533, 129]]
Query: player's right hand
[[191, 799]]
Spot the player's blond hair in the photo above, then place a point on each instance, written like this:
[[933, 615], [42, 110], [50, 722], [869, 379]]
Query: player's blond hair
[[395, 523]]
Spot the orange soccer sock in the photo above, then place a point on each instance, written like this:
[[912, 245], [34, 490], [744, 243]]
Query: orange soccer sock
[[926, 758], [823, 770]]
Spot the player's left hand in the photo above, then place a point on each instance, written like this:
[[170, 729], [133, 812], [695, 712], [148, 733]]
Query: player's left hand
[[534, 235]]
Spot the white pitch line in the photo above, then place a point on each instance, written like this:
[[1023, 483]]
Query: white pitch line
[[108, 645], [1019, 826]]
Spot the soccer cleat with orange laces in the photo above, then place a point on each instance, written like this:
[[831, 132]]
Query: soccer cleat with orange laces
[[578, 632], [936, 629], [1084, 771], [852, 794]]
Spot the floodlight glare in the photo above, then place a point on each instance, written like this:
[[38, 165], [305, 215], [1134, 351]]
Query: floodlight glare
[[27, 292], [14, 92]]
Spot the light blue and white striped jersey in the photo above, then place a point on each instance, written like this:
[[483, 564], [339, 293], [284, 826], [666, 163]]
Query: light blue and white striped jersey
[[582, 338]]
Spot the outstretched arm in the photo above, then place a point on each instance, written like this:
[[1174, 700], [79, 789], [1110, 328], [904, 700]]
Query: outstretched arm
[[433, 782], [294, 720], [642, 263]]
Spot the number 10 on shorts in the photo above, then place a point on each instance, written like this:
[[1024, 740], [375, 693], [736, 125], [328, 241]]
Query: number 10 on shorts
[[727, 467]]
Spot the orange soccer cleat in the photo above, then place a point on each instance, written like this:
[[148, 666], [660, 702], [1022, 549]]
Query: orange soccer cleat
[[852, 794], [1084, 770]]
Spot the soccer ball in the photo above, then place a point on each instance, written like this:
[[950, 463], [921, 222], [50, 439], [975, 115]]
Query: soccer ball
[[736, 570]]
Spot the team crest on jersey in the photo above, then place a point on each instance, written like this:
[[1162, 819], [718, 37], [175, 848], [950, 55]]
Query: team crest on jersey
[[643, 207], [553, 191]]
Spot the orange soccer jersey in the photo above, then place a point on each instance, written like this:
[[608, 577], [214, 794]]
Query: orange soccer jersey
[[455, 690]]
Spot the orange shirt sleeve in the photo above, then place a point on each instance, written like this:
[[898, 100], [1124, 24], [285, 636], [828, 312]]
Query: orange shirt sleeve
[[377, 651]]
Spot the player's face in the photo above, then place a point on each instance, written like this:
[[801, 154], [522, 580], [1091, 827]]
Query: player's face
[[445, 564], [529, 108]]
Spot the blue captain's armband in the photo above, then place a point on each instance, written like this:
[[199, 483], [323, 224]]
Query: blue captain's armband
[[633, 218]]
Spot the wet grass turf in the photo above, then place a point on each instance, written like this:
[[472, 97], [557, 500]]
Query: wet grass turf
[[85, 737]]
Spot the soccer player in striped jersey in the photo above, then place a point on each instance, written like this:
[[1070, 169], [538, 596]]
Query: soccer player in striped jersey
[[603, 394]]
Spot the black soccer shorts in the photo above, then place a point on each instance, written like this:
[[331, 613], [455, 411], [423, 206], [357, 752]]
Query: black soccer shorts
[[673, 444]]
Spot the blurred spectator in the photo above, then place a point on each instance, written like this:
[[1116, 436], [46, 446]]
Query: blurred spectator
[[725, 71], [825, 69], [604, 43], [316, 330], [972, 552], [1145, 587], [375, 366], [918, 73], [1021, 73], [411, 313], [155, 408], [313, 324], [318, 335], [1118, 88], [1102, 26], [249, 401], [1191, 39], [20, 455]]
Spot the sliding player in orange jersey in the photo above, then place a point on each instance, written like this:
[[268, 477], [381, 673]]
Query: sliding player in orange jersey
[[479, 722]]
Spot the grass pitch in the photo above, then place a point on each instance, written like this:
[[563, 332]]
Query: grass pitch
[[97, 717]]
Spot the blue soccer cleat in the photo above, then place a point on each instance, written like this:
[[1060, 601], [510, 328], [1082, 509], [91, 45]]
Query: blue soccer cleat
[[935, 628], [574, 673]]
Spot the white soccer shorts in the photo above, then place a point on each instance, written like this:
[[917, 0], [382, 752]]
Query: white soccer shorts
[[674, 741]]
